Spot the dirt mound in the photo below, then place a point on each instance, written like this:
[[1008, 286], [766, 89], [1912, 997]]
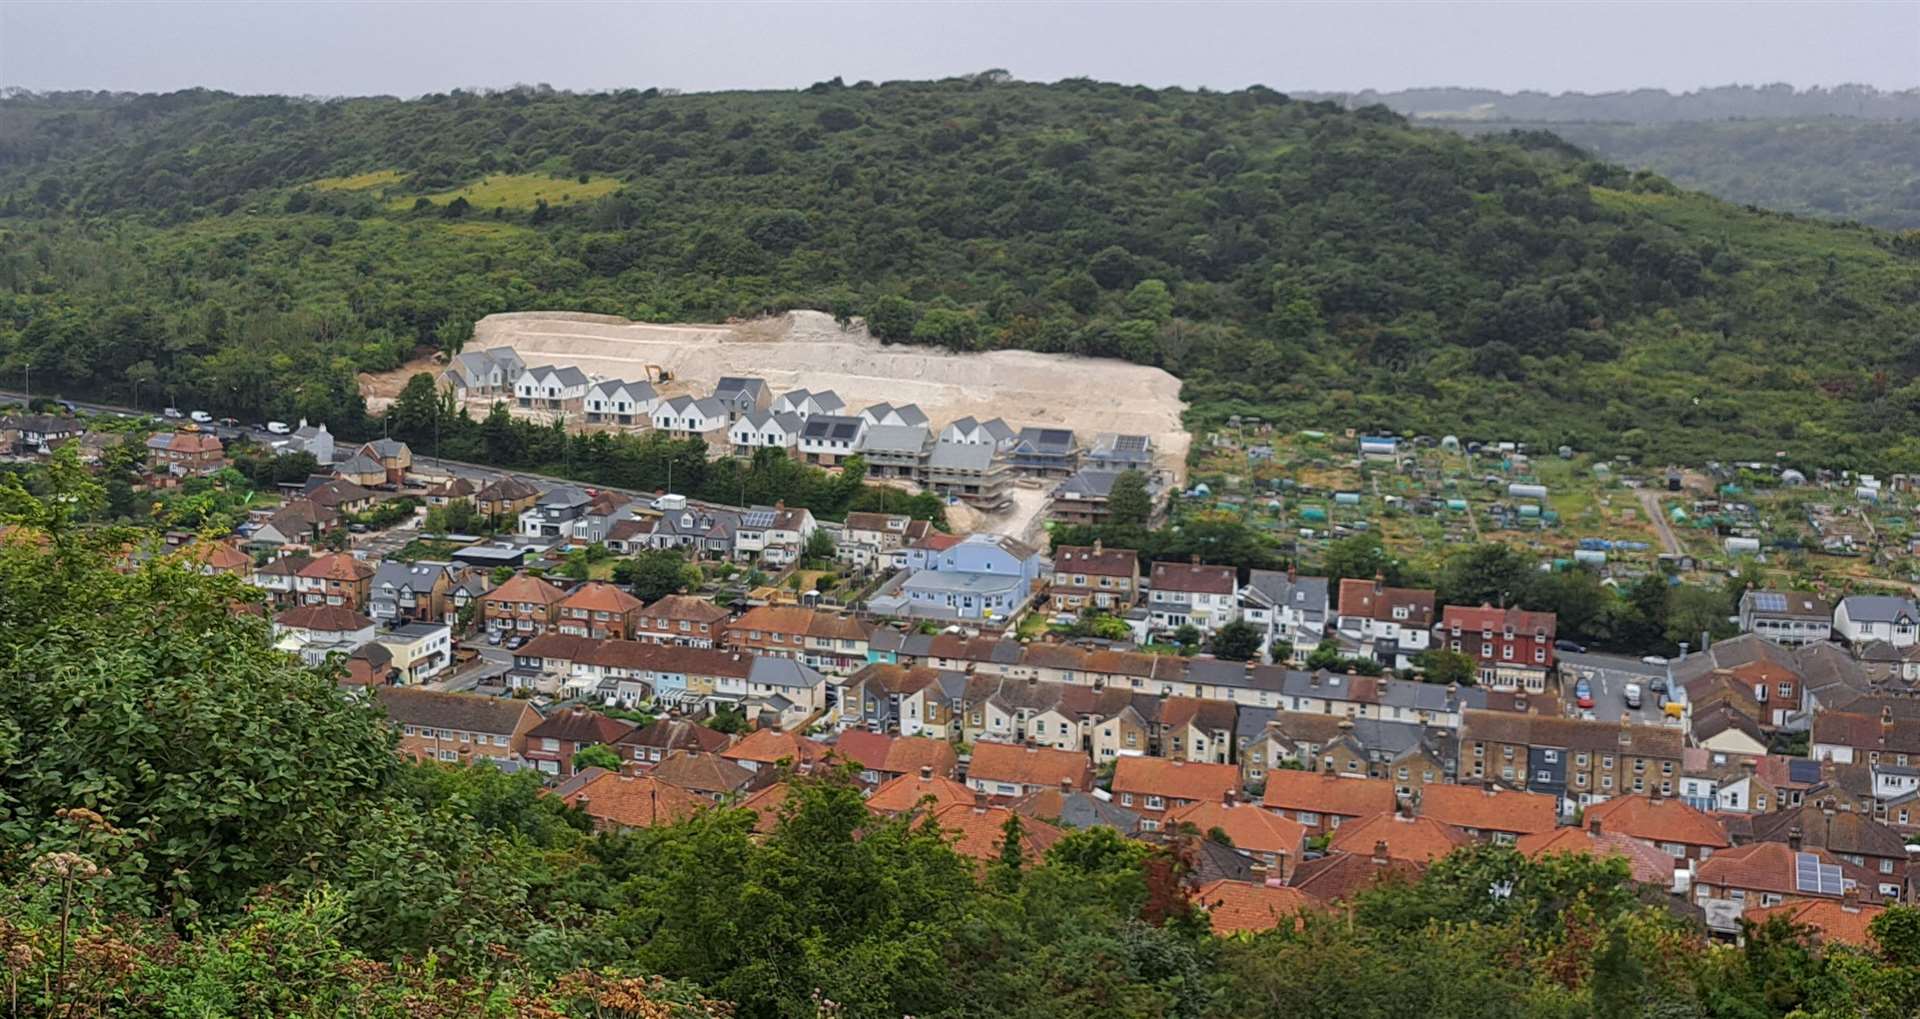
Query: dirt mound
[[809, 350]]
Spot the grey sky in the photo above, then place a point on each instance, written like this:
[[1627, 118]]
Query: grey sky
[[407, 48]]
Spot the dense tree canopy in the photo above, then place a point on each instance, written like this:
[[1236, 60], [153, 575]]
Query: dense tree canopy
[[1319, 266]]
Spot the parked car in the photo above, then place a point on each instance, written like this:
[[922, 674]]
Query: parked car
[[493, 637], [278, 428], [515, 642], [67, 405], [1654, 660], [229, 422], [1583, 694], [172, 412], [1632, 695], [201, 417], [1568, 645], [1657, 684]]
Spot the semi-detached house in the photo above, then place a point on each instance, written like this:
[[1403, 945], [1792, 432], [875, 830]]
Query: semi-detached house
[[1182, 594]]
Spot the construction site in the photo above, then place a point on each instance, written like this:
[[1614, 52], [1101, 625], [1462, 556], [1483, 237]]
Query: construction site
[[810, 350]]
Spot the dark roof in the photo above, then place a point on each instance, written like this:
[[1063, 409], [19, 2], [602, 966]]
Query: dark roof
[[579, 725], [462, 711], [831, 427]]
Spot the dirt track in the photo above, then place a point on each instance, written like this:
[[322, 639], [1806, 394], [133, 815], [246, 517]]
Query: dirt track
[[809, 350]]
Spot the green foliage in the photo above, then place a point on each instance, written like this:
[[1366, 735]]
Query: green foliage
[[653, 574], [1318, 266], [1442, 666], [1128, 503], [598, 755], [1237, 641]]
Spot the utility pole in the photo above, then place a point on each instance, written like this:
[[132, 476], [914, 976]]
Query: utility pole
[[28, 370]]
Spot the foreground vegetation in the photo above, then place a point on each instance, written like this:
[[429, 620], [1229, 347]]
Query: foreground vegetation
[[1316, 266]]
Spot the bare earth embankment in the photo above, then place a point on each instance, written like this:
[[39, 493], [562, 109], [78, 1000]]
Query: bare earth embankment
[[809, 350]]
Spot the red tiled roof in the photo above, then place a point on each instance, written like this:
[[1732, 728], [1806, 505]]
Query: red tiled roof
[[1175, 780], [1358, 598], [216, 555], [709, 774], [522, 587], [906, 792], [1767, 867], [1419, 839], [336, 566], [1834, 921], [326, 618], [1336, 877], [630, 801], [1026, 765], [978, 832], [1322, 793], [598, 596], [1196, 578], [771, 746], [1665, 820], [1102, 562], [766, 805], [675, 607], [1490, 809], [896, 755], [1486, 617], [1648, 865], [1237, 907], [1249, 827]]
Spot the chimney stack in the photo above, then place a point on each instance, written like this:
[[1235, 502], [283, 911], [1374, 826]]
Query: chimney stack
[[1793, 838], [1380, 853], [1850, 899], [1228, 797], [1066, 785], [1096, 546], [1594, 826], [926, 773], [1379, 583]]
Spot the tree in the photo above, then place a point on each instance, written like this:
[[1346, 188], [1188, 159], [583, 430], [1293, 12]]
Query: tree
[[1362, 556], [1128, 502], [599, 755], [1440, 665], [655, 573], [1486, 574], [820, 546], [893, 318], [1237, 641], [1186, 636]]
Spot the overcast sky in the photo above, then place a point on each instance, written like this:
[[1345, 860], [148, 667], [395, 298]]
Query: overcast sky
[[405, 48]]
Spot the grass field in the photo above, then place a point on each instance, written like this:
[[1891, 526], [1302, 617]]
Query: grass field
[[519, 191], [358, 182]]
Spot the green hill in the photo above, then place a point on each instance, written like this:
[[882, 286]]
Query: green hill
[[1320, 267]]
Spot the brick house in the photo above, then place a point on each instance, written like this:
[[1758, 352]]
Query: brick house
[[598, 609], [1512, 647], [1094, 577], [552, 744], [185, 453], [1154, 786], [1580, 761], [1007, 769], [1490, 813], [1182, 594], [1322, 802], [525, 605], [1680, 831], [457, 727], [681, 619], [336, 579]]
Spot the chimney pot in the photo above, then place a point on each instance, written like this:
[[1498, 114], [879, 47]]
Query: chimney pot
[[1096, 546], [1793, 838], [1380, 851], [926, 772], [1066, 784], [1594, 826]]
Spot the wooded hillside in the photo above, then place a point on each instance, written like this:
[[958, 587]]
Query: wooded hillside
[[1321, 267]]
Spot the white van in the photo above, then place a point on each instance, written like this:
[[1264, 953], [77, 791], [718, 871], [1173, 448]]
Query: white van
[[278, 427], [1632, 694]]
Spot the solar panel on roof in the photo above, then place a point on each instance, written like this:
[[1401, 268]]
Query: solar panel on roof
[[1810, 875], [1803, 771], [1770, 601], [1131, 443]]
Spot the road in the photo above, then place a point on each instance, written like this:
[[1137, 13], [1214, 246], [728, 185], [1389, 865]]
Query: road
[[1650, 502]]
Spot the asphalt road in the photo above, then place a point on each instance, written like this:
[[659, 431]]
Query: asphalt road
[[1609, 676]]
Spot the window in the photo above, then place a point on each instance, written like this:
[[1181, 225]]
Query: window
[[1543, 776], [1309, 818], [1550, 756], [1126, 799], [1156, 803]]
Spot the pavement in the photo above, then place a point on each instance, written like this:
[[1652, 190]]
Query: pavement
[[1609, 676]]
